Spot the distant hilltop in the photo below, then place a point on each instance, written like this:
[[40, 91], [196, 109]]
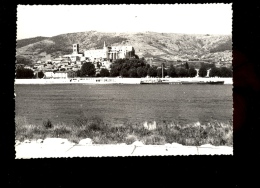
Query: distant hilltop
[[156, 47]]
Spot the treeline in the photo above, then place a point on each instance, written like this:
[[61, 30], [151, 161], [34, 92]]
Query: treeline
[[137, 68], [22, 73], [220, 72]]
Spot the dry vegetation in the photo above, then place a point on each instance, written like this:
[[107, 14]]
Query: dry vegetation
[[215, 133]]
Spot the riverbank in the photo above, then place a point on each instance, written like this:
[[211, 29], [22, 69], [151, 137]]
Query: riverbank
[[110, 80], [149, 133]]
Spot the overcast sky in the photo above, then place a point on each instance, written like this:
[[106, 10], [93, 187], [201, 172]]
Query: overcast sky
[[43, 20]]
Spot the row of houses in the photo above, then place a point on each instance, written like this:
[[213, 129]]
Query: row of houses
[[60, 74], [66, 66]]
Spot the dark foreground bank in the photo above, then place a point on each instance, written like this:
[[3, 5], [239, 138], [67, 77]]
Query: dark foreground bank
[[215, 133]]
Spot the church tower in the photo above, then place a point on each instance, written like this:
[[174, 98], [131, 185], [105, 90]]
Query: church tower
[[75, 48], [105, 49]]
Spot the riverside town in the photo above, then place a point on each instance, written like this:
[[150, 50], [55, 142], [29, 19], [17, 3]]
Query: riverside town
[[119, 62]]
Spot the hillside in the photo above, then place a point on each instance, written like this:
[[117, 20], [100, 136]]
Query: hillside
[[25, 42], [155, 46]]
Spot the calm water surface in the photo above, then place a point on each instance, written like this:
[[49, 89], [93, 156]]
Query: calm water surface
[[122, 103]]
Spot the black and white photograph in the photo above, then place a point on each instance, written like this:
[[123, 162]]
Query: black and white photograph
[[123, 80]]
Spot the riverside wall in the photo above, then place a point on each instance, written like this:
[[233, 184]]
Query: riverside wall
[[113, 80]]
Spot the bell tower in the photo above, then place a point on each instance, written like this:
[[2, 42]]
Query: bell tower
[[105, 49], [75, 48]]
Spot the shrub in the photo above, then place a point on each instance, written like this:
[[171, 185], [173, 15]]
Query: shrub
[[80, 122], [130, 139], [47, 124], [90, 124], [104, 73], [96, 124], [154, 140], [40, 74]]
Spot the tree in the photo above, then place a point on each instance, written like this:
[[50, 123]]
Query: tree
[[225, 72], [88, 69], [114, 72], [40, 74], [147, 66], [172, 72], [141, 72], [152, 72], [132, 72], [136, 56], [214, 72], [24, 73], [98, 65], [124, 72], [192, 72], [126, 66], [78, 73], [104, 73], [182, 72], [186, 66], [202, 71]]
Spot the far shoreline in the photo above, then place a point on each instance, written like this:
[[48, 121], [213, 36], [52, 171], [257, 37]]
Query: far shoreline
[[117, 80]]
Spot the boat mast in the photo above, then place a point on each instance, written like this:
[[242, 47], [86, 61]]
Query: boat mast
[[162, 70]]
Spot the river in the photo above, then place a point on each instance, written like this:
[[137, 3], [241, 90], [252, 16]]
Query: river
[[124, 103]]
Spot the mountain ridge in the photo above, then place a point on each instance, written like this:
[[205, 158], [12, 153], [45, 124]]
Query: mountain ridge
[[151, 45]]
